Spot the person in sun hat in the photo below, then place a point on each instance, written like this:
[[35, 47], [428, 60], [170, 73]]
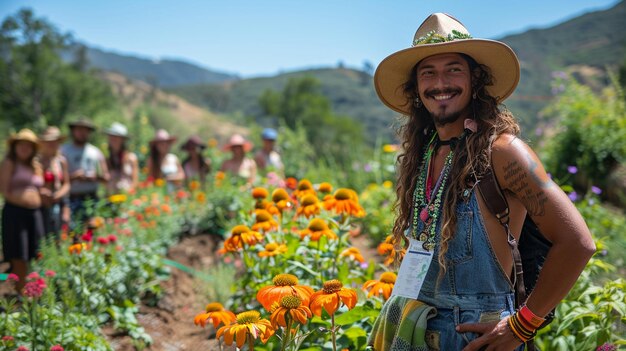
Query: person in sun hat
[[122, 163], [87, 167], [268, 159], [195, 165], [239, 164], [162, 164], [449, 87], [21, 179], [55, 207]]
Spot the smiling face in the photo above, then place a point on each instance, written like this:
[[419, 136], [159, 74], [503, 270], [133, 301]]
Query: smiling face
[[24, 150], [444, 87]]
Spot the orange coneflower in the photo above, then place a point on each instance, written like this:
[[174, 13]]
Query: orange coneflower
[[159, 182], [259, 193], [248, 325], [309, 206], [281, 198], [273, 249], [241, 235], [304, 187], [388, 248], [316, 229], [330, 298], [291, 183], [284, 285], [215, 313], [325, 188], [353, 253], [76, 249], [292, 306], [383, 286], [194, 185], [344, 201], [264, 221], [201, 197]]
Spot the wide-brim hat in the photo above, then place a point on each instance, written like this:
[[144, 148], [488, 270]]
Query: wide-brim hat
[[238, 140], [441, 33], [24, 135], [51, 134], [193, 142], [82, 122], [162, 135], [117, 129]]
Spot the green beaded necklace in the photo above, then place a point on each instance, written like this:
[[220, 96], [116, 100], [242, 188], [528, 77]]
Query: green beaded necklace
[[429, 210]]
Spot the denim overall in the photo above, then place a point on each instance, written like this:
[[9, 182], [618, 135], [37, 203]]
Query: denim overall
[[474, 288]]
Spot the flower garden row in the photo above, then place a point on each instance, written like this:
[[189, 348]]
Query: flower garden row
[[300, 283]]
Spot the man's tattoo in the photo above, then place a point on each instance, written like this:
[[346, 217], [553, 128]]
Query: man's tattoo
[[519, 177]]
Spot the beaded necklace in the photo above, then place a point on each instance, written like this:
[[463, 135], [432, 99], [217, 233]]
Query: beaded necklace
[[428, 210]]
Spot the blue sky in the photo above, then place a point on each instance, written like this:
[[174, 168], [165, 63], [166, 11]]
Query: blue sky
[[256, 37]]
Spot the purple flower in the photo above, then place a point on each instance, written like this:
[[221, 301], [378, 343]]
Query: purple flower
[[367, 167], [607, 347], [596, 190], [573, 196], [572, 169], [364, 265], [559, 74], [538, 131], [591, 202]]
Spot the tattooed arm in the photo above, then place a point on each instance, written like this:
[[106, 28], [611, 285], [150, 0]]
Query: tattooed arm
[[520, 173]]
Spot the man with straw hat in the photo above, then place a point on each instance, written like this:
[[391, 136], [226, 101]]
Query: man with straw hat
[[87, 168], [449, 86]]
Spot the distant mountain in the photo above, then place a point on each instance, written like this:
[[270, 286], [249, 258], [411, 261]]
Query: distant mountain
[[162, 73], [584, 46]]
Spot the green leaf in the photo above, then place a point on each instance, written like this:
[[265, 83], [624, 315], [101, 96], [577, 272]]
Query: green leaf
[[356, 314]]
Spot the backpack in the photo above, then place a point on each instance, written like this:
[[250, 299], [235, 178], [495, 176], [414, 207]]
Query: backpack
[[529, 253]]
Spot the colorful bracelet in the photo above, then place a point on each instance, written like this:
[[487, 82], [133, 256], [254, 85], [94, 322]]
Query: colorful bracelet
[[530, 318], [521, 331]]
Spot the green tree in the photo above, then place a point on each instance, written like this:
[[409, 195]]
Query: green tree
[[36, 86], [301, 105]]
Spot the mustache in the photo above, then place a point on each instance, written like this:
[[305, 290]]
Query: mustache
[[433, 92]]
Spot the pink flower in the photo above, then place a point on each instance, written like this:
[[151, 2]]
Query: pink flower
[[22, 348], [33, 276], [607, 347], [103, 240], [35, 288], [112, 238], [12, 277], [470, 124], [50, 273], [57, 348], [7, 338]]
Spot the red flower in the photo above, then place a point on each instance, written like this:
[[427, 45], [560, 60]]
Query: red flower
[[35, 288], [103, 240], [112, 238], [50, 273], [57, 348]]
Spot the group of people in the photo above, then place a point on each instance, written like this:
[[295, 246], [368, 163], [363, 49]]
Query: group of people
[[47, 183]]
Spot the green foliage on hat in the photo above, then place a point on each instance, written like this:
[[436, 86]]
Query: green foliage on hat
[[433, 37]]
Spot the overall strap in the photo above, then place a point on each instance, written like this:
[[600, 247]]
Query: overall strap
[[495, 201]]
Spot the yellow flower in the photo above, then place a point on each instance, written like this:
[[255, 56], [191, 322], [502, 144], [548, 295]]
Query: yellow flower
[[325, 188], [387, 184], [316, 229], [241, 235], [388, 248], [383, 286], [281, 198], [96, 222], [264, 221], [344, 201], [273, 249], [201, 197], [331, 297], [248, 325], [353, 253], [304, 187], [291, 306], [284, 285], [309, 206], [159, 182], [216, 314], [389, 148], [212, 142], [117, 198]]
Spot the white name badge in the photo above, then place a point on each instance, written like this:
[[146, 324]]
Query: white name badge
[[413, 270]]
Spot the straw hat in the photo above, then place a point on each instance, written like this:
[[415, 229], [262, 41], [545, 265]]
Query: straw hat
[[441, 33], [238, 140], [162, 135], [193, 142], [82, 122], [51, 134], [117, 129], [23, 135]]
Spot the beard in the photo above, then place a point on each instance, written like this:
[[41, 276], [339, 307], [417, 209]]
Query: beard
[[443, 116]]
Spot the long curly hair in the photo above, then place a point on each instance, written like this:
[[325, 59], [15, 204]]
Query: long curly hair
[[472, 156]]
